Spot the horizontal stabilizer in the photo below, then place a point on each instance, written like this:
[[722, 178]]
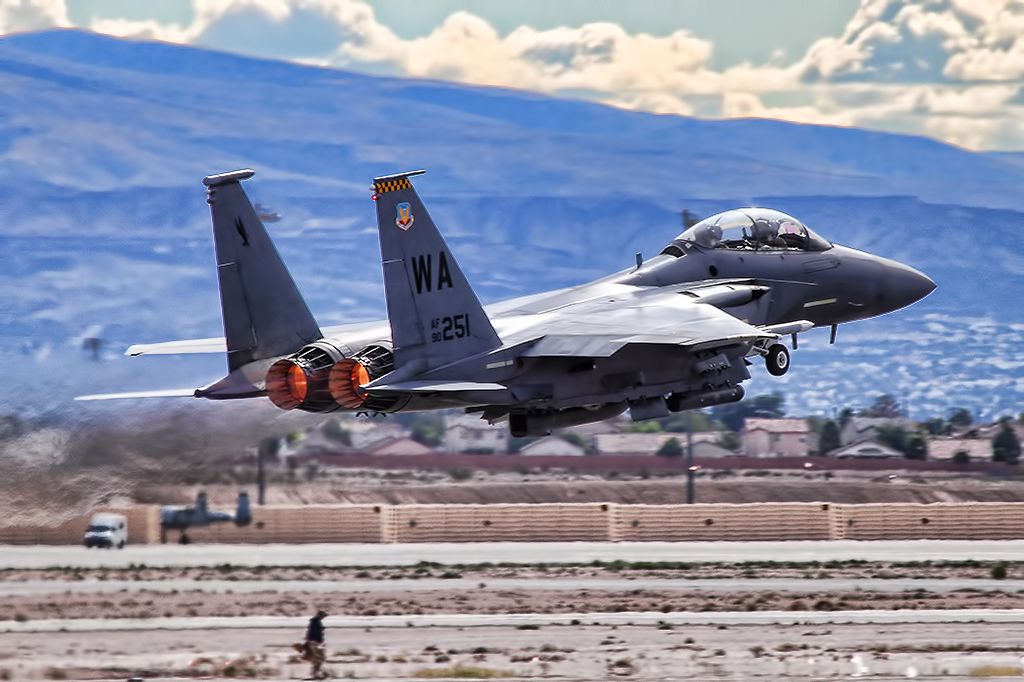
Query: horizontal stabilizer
[[186, 347], [165, 393], [432, 387]]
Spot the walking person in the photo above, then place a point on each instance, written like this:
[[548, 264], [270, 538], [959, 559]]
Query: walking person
[[316, 651]]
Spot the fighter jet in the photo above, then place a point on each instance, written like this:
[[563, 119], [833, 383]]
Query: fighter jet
[[676, 332], [182, 518]]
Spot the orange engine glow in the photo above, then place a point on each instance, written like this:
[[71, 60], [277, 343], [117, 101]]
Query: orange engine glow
[[345, 384], [287, 384], [297, 383]]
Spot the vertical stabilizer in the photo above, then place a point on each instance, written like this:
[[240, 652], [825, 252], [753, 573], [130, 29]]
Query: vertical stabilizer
[[243, 512], [436, 319], [264, 314]]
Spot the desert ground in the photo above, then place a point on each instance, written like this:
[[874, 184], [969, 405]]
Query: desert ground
[[586, 621]]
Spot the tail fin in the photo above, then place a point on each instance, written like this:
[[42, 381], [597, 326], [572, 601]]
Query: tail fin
[[435, 317], [202, 507], [243, 514], [264, 313]]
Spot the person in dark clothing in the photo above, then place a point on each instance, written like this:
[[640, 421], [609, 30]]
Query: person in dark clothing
[[316, 652]]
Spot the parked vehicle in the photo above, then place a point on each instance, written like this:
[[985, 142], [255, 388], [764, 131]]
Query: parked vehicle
[[106, 530]]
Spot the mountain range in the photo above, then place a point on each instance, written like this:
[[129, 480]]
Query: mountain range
[[105, 232]]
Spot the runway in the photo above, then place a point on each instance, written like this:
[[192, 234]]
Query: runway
[[27, 557], [454, 620], [943, 585]]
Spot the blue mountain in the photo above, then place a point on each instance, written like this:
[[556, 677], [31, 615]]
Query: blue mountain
[[104, 229]]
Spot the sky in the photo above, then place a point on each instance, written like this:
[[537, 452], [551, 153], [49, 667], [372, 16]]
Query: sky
[[949, 69]]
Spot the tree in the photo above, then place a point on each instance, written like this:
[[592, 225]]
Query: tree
[[670, 448], [845, 415], [961, 457], [1005, 444], [680, 421], [893, 435], [730, 440], [917, 447], [884, 405], [428, 429], [574, 438], [937, 426], [651, 426], [829, 439], [333, 430], [960, 417], [772, 405]]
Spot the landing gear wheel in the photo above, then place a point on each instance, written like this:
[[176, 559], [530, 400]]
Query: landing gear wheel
[[777, 360]]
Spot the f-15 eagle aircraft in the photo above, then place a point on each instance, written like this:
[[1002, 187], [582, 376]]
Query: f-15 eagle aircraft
[[674, 333]]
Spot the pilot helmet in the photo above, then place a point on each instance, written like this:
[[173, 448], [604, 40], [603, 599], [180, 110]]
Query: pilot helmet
[[709, 236]]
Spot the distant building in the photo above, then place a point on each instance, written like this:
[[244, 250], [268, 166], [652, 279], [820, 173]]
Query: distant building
[[860, 429], [364, 433], [979, 450], [470, 433], [589, 430], [868, 449], [776, 437], [551, 445], [645, 443], [706, 449], [988, 431], [398, 446], [309, 443]]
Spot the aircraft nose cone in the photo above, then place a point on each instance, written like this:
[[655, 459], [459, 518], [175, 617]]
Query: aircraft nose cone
[[905, 285]]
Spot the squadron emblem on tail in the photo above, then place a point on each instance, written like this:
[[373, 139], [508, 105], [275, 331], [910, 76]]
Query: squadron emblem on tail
[[404, 217]]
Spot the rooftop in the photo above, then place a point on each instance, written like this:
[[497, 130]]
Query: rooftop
[[776, 425]]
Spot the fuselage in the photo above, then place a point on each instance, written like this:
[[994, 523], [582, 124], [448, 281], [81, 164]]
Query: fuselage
[[666, 332]]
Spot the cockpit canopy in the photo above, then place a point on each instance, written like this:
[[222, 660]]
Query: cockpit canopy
[[749, 229]]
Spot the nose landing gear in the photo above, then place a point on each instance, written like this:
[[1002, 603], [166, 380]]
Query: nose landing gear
[[777, 359]]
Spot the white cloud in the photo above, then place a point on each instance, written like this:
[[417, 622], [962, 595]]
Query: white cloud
[[949, 68], [32, 15]]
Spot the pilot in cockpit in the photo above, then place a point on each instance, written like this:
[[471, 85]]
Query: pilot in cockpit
[[765, 234], [708, 236]]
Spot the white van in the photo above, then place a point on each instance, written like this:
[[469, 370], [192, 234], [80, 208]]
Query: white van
[[107, 530]]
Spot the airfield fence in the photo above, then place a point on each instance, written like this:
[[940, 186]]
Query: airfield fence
[[565, 523]]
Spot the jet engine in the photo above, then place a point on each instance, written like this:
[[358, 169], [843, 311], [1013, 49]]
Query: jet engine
[[348, 375], [301, 381]]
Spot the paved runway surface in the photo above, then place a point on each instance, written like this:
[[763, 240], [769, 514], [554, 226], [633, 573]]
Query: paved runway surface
[[43, 587], [513, 552], [1009, 616]]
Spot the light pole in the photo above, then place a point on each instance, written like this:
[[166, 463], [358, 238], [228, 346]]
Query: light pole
[[691, 470]]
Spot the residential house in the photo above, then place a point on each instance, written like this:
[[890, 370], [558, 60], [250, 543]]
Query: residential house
[[645, 443], [551, 445], [860, 429], [776, 437], [470, 433], [867, 449], [707, 449], [398, 446], [365, 432], [978, 449]]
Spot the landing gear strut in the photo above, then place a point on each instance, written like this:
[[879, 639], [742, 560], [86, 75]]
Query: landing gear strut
[[777, 359]]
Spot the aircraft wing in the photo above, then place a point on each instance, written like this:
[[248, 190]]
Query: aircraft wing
[[186, 347], [602, 328], [161, 393], [219, 345]]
